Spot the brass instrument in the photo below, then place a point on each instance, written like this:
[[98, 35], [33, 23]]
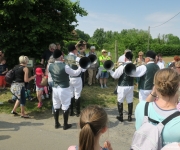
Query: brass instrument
[[109, 65], [84, 62]]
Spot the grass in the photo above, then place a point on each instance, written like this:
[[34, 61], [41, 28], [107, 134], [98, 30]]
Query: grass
[[90, 95]]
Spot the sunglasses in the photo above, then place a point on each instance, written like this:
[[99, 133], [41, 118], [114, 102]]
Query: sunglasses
[[104, 52]]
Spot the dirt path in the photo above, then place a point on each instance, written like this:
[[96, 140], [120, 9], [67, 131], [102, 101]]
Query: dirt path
[[38, 133]]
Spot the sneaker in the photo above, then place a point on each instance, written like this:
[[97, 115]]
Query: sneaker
[[47, 96], [105, 86], [40, 105], [102, 87], [42, 96], [1, 103]]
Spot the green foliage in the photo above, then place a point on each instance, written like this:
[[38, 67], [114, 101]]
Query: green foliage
[[28, 27], [82, 36]]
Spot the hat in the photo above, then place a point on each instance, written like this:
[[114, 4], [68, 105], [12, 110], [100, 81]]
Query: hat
[[151, 54], [129, 55], [92, 47], [140, 53], [71, 48], [57, 53], [127, 50], [104, 51], [39, 71]]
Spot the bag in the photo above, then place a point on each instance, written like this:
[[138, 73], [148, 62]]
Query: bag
[[148, 136], [44, 81]]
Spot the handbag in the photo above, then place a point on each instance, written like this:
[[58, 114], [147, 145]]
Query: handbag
[[44, 81]]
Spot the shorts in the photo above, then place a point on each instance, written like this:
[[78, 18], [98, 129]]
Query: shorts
[[104, 74], [39, 88], [2, 80]]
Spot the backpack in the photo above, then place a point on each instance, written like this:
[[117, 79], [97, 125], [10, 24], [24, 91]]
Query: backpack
[[148, 136], [10, 75]]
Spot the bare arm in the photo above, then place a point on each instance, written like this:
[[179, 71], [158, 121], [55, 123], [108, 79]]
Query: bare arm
[[152, 96], [42, 61], [26, 72]]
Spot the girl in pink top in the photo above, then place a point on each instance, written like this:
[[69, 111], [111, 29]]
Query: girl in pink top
[[39, 88]]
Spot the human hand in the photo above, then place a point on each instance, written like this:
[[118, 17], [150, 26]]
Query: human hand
[[107, 145]]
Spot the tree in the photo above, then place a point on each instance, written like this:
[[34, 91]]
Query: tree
[[27, 27], [82, 36], [99, 37]]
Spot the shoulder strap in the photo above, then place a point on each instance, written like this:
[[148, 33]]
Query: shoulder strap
[[146, 109], [146, 114], [169, 118]]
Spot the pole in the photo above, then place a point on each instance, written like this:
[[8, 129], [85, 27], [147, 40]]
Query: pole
[[148, 37], [116, 52]]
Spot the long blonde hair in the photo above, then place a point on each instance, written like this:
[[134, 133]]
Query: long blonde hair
[[92, 120]]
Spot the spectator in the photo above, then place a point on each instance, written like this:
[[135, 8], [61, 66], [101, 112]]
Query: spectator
[[81, 46], [172, 64], [18, 86], [160, 62], [58, 46], [46, 55], [104, 74], [92, 70], [3, 71], [93, 123], [140, 60], [1, 55], [166, 85]]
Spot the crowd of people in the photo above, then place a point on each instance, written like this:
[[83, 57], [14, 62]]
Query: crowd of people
[[158, 85]]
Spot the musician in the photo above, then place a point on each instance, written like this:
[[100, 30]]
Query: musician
[[104, 74], [75, 83], [125, 87], [147, 75], [81, 46], [61, 91], [122, 57]]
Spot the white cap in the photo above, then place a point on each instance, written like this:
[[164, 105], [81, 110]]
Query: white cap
[[92, 47]]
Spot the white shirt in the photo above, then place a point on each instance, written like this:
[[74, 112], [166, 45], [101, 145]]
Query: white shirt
[[160, 64], [121, 58]]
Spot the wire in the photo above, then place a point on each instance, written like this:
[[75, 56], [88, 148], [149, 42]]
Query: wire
[[166, 21]]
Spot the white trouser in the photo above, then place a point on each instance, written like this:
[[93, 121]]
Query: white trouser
[[125, 92], [143, 94], [61, 96], [76, 87]]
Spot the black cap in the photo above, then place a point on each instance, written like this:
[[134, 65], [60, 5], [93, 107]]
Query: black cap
[[71, 48], [151, 54], [129, 55], [57, 53]]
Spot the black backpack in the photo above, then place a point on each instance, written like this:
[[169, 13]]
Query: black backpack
[[10, 75]]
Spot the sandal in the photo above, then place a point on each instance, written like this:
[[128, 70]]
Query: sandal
[[15, 113], [26, 116]]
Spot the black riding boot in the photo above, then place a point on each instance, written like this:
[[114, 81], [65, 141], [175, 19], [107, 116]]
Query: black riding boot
[[65, 115], [130, 109], [120, 109], [77, 104], [56, 118], [71, 107]]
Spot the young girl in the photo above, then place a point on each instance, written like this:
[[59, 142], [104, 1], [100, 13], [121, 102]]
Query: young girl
[[39, 88], [93, 123]]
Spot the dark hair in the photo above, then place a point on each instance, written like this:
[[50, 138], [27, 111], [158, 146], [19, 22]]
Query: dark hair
[[92, 120]]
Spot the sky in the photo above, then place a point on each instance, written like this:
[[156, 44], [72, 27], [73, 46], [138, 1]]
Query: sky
[[116, 15]]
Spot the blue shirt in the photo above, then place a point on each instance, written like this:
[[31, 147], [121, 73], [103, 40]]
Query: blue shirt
[[171, 131], [2, 69]]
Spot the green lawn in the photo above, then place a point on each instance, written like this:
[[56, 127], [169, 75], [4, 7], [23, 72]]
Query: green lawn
[[90, 95]]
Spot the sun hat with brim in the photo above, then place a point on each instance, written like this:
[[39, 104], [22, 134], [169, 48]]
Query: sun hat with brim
[[39, 71], [104, 51]]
